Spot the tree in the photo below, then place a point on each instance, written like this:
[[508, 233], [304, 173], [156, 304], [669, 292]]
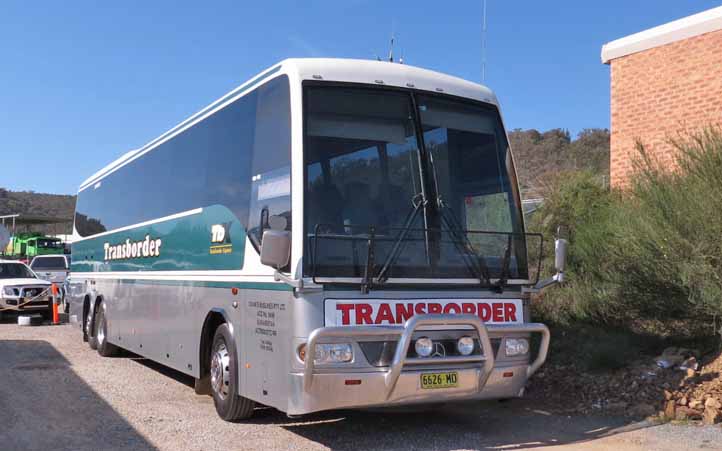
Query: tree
[[541, 157]]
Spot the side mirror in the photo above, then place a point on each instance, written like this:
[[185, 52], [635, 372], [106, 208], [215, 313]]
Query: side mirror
[[276, 248], [560, 254], [560, 262]]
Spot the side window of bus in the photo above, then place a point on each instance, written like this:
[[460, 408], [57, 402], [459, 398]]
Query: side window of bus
[[271, 162], [219, 161]]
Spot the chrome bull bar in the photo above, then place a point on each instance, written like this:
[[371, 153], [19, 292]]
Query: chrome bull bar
[[406, 332]]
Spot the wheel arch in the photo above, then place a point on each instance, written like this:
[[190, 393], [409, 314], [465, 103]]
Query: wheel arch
[[214, 318]]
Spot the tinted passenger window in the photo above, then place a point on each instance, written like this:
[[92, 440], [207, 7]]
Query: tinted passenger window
[[207, 164]]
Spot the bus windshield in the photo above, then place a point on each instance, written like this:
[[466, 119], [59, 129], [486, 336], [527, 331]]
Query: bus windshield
[[428, 178]]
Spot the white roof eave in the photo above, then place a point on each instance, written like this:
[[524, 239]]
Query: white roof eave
[[687, 27]]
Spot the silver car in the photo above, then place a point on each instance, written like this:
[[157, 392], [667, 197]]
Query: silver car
[[54, 269]]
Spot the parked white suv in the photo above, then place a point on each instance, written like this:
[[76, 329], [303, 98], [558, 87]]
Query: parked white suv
[[21, 290]]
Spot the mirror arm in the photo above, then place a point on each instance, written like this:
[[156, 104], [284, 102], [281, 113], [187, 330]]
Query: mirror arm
[[278, 276], [557, 278]]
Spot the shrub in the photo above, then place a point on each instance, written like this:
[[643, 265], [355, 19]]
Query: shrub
[[652, 252]]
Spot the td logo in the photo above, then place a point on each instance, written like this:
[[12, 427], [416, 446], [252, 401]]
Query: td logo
[[220, 233]]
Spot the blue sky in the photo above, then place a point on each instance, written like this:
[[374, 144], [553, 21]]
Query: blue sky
[[83, 82]]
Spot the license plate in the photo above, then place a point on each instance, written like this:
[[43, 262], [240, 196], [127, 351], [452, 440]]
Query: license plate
[[440, 380]]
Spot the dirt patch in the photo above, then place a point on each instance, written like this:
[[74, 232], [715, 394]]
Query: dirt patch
[[679, 384]]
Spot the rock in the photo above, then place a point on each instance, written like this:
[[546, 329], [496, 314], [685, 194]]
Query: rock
[[684, 413], [712, 403], [690, 363], [689, 414], [668, 361], [667, 395], [711, 415], [669, 409], [682, 401], [691, 372], [642, 410], [695, 404]]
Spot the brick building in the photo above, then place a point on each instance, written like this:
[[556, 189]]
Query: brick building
[[664, 81]]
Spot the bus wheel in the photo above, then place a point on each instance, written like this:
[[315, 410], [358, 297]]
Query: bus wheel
[[101, 333], [92, 339], [224, 378]]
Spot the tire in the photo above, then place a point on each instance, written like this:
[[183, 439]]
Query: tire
[[100, 333], [92, 341], [223, 364], [48, 314]]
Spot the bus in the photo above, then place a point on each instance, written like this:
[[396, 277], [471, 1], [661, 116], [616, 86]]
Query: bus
[[331, 234]]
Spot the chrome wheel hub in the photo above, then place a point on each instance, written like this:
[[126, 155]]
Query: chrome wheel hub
[[221, 371], [101, 328]]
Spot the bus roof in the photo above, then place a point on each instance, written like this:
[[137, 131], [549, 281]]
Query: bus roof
[[381, 73]]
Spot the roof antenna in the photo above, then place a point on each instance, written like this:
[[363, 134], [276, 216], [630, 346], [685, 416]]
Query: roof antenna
[[483, 44], [391, 49]]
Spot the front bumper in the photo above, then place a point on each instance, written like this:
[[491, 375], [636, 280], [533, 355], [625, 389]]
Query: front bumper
[[479, 377], [40, 301]]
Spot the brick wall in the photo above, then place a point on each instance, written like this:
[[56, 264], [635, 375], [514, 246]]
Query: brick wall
[[660, 92]]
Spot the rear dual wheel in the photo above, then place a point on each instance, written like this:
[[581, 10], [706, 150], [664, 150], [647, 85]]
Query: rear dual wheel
[[100, 333], [90, 331], [224, 378]]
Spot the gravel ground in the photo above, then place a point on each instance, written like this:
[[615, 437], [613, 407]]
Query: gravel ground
[[57, 394]]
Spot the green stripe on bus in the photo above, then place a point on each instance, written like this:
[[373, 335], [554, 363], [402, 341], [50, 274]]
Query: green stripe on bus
[[210, 284]]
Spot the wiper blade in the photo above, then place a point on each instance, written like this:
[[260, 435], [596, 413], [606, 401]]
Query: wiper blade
[[417, 201], [475, 262], [370, 256], [504, 276]]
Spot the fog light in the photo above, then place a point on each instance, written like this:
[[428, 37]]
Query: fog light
[[465, 345], [424, 346], [516, 346]]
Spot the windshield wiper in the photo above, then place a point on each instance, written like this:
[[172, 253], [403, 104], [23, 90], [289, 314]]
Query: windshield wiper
[[474, 261], [417, 201], [504, 276], [367, 281]]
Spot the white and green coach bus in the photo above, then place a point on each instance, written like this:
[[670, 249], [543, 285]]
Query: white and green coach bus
[[330, 234]]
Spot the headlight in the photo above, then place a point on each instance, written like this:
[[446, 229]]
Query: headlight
[[424, 346], [10, 291], [516, 346], [329, 353], [465, 345]]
